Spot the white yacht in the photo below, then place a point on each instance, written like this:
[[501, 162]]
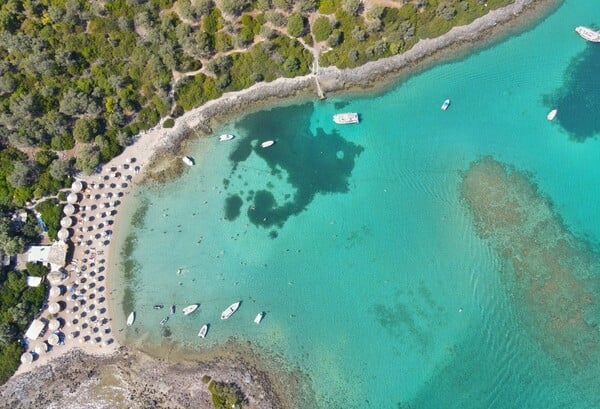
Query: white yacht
[[203, 331], [131, 319], [588, 34], [266, 144], [190, 309], [188, 161], [552, 114], [226, 137], [230, 310], [346, 118], [259, 317]]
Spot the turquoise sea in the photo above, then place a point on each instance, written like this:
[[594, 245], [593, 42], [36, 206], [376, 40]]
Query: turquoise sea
[[356, 243]]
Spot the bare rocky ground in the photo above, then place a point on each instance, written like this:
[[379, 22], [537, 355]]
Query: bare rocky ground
[[132, 379]]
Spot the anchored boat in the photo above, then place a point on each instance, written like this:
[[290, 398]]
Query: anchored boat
[[259, 317], [188, 161], [226, 137], [445, 105], [203, 331], [346, 118], [190, 309], [230, 310], [131, 319], [588, 34], [266, 144]]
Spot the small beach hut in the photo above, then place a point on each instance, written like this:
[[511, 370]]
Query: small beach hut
[[77, 186], [73, 198], [69, 209], [53, 339], [66, 222], [63, 235], [54, 308], [26, 358]]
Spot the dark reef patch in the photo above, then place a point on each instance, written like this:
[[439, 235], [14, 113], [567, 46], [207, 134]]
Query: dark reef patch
[[233, 205], [578, 100], [313, 164]]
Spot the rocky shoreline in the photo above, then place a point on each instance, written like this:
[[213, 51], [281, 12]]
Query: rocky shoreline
[[132, 379]]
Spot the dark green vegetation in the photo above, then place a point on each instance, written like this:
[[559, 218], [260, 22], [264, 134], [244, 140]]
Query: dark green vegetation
[[226, 395], [358, 37], [18, 305]]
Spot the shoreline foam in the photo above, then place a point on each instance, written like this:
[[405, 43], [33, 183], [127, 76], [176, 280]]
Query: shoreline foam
[[151, 146]]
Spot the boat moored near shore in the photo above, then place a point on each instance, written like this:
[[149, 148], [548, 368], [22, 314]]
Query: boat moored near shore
[[588, 34], [188, 161], [346, 118], [446, 104], [266, 144], [552, 114], [203, 331], [230, 310], [259, 317], [131, 319], [226, 137], [190, 309]]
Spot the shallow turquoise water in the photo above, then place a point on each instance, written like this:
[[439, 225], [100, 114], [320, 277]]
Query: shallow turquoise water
[[354, 240]]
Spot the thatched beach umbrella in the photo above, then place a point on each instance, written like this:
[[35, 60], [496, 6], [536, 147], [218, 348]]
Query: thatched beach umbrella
[[69, 209], [55, 277], [41, 348], [53, 339], [54, 325], [63, 235], [54, 308], [73, 198], [26, 358], [77, 186], [55, 291], [66, 222]]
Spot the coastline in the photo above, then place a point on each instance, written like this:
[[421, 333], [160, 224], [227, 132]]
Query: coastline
[[164, 144]]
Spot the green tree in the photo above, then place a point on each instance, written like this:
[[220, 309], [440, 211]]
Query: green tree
[[85, 130], [88, 158], [295, 25], [8, 333], [321, 28]]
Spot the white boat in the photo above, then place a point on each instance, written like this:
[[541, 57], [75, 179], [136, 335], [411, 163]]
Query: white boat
[[190, 309], [203, 331], [445, 105], [230, 310], [259, 317], [131, 319], [188, 161], [226, 137], [552, 114], [266, 144], [346, 118], [588, 34], [172, 309], [164, 320]]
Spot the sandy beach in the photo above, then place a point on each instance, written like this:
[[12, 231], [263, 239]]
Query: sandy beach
[[135, 376]]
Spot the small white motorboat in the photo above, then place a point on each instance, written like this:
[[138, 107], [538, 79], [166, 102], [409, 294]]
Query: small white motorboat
[[446, 104], [203, 331], [346, 118], [259, 317], [188, 161], [230, 310], [226, 137], [190, 309], [131, 319], [266, 144], [588, 34], [552, 114], [164, 320]]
